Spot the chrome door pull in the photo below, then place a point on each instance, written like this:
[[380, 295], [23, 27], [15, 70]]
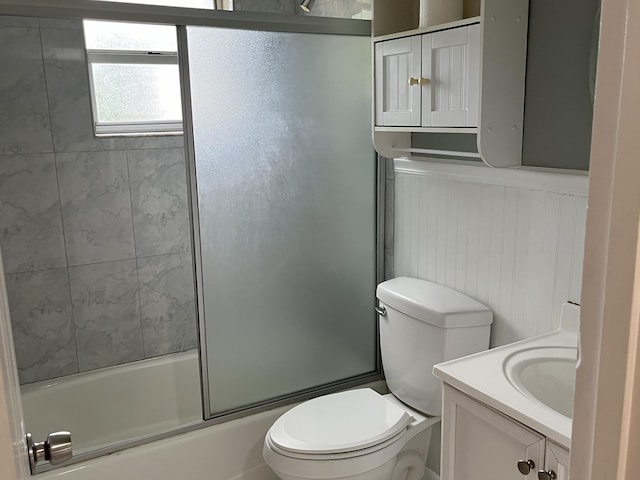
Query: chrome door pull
[[525, 466], [56, 449], [550, 475]]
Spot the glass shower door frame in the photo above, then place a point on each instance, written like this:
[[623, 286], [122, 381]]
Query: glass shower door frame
[[198, 273], [181, 17]]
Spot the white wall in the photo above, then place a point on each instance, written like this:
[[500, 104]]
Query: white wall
[[511, 238]]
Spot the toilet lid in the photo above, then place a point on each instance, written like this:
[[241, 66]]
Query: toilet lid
[[339, 423]]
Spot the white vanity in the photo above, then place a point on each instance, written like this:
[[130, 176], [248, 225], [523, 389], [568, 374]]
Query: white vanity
[[507, 412]]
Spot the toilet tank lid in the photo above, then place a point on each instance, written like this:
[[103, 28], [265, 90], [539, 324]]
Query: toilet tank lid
[[432, 303]]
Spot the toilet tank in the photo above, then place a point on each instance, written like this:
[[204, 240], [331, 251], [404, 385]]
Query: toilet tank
[[425, 324]]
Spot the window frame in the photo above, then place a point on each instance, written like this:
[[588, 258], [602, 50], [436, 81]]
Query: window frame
[[133, 57]]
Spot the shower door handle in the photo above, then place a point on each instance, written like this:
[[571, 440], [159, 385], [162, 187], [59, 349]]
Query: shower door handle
[[55, 449]]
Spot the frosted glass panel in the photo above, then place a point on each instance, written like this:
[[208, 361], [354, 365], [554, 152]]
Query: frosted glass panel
[[118, 87], [286, 190]]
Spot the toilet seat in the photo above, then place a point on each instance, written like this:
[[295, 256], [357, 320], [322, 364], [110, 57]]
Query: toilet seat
[[356, 462], [334, 456], [340, 425]]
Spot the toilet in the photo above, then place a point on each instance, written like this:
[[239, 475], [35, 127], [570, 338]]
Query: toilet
[[363, 435]]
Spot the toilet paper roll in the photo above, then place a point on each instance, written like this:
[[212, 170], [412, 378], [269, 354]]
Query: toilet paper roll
[[436, 12]]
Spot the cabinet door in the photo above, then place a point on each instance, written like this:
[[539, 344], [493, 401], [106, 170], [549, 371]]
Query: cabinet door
[[481, 444], [397, 102], [451, 62], [557, 460]]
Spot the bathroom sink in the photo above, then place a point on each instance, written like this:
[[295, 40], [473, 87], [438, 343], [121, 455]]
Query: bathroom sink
[[546, 375]]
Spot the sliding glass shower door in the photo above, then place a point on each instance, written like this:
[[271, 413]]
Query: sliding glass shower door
[[285, 189]]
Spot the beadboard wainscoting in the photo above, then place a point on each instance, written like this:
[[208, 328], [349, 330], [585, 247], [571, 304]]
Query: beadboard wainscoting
[[511, 238]]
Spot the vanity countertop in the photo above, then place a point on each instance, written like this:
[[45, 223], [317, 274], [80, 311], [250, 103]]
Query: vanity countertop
[[484, 376]]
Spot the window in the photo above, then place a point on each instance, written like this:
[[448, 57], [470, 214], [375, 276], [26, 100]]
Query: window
[[134, 78]]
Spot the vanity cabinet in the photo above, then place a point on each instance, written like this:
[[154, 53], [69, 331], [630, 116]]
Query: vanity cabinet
[[480, 443], [556, 461], [429, 80]]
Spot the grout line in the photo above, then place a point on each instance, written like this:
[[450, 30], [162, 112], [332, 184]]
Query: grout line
[[135, 254], [96, 263], [62, 223], [46, 88], [67, 268], [53, 150]]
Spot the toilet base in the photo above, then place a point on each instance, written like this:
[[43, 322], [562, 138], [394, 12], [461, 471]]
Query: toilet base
[[407, 466]]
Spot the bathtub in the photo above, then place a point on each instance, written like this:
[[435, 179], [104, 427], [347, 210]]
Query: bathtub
[[114, 404], [141, 399]]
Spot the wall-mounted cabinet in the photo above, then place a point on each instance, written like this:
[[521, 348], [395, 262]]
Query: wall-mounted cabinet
[[463, 77], [429, 80]]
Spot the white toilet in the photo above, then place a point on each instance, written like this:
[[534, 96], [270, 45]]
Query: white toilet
[[362, 435]]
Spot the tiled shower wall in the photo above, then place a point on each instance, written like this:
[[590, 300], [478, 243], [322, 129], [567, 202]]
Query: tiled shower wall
[[94, 231], [355, 9]]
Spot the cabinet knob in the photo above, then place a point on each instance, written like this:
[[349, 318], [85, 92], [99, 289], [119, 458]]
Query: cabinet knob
[[525, 466], [418, 81], [550, 475]]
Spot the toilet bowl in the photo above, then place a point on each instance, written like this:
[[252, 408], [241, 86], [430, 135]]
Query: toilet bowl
[[356, 435], [362, 435]]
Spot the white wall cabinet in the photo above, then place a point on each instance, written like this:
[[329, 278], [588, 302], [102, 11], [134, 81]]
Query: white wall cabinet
[[481, 444], [429, 80], [465, 76]]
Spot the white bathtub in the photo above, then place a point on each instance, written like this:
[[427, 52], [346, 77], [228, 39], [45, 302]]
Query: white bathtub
[[119, 403], [143, 398], [226, 451]]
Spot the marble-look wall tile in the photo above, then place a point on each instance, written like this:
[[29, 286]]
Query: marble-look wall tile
[[11, 21], [96, 206], [42, 323], [24, 111], [149, 142], [106, 313], [69, 98], [31, 233], [67, 23], [272, 6], [340, 9], [167, 304], [75, 208], [159, 199]]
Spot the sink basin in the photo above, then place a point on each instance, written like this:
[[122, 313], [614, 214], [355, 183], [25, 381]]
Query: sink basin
[[546, 375]]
